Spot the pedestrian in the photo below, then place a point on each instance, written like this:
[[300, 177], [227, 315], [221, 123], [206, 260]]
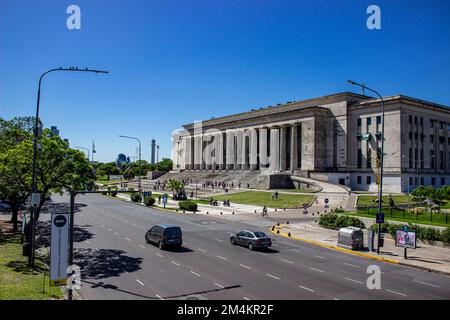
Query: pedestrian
[[159, 200], [276, 195]]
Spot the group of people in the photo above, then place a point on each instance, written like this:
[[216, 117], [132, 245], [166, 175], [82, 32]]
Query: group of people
[[275, 195], [226, 202]]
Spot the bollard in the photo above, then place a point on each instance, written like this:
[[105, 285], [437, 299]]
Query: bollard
[[275, 209], [273, 228], [255, 211], [220, 212], [184, 211], [287, 222], [207, 212], [289, 234], [313, 214], [232, 212], [278, 231], [278, 224]]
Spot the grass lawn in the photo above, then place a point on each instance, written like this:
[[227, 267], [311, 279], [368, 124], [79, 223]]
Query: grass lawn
[[17, 280], [369, 200], [260, 198], [301, 190], [404, 216]]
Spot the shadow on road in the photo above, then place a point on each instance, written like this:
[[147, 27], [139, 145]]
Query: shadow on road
[[60, 207], [108, 286], [202, 292], [105, 263], [43, 233]]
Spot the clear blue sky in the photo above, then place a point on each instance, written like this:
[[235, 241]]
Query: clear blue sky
[[174, 62]]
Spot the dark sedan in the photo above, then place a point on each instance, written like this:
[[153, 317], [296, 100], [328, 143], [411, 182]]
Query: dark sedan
[[251, 239]]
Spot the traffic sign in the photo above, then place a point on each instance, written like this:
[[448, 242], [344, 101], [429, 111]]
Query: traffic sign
[[326, 200], [35, 199], [380, 218], [59, 250]]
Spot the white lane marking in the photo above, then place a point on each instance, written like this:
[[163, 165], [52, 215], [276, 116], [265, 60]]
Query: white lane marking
[[295, 250], [95, 222], [177, 264], [218, 240], [134, 224], [126, 221], [159, 297], [272, 276], [139, 282], [102, 226], [159, 255], [357, 281], [352, 265], [220, 257], [141, 246], [141, 227], [318, 270], [427, 284], [392, 291], [219, 285], [88, 242], [195, 273], [201, 235], [128, 239], [275, 245], [311, 290], [335, 299], [201, 250], [286, 261], [117, 234], [320, 257], [244, 266], [245, 298], [109, 229]]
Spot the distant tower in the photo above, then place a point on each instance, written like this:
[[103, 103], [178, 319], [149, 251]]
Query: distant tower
[[54, 130], [153, 151]]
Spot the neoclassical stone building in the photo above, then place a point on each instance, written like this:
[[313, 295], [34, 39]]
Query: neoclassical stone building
[[335, 138]]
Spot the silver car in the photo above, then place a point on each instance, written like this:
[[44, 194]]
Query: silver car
[[251, 239]]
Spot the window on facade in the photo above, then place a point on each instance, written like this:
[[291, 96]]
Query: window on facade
[[378, 119], [433, 181], [441, 160], [369, 158], [410, 119], [421, 121], [368, 180], [410, 135], [442, 125], [358, 180], [431, 124], [442, 181], [359, 158], [431, 159], [359, 122], [415, 120], [431, 138], [410, 181], [422, 181]]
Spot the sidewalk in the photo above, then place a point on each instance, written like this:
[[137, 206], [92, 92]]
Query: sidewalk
[[425, 257]]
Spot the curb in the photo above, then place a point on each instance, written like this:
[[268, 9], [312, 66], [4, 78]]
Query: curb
[[329, 246]]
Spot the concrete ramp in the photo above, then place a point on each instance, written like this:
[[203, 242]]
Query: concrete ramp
[[325, 187]]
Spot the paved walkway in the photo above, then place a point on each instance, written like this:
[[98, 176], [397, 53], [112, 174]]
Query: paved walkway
[[425, 256]]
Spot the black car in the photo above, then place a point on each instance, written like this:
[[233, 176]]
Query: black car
[[165, 235], [251, 239]]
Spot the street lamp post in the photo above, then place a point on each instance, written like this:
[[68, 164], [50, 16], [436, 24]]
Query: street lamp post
[[380, 190], [35, 139], [140, 164], [88, 151]]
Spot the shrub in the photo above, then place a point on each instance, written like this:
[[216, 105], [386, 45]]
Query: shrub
[[149, 201], [113, 193], [136, 197], [188, 205], [445, 235], [335, 221]]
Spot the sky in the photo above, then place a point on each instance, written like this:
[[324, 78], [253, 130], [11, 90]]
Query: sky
[[176, 62]]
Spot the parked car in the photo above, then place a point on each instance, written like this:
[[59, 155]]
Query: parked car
[[165, 235], [251, 239], [4, 206]]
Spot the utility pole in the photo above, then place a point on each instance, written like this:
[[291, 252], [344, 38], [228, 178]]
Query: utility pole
[[380, 216], [34, 194]]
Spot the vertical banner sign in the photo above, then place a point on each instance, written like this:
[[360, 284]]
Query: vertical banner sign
[[59, 249]]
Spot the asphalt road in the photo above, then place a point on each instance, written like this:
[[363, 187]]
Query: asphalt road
[[117, 263]]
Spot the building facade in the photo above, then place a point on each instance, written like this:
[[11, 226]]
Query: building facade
[[336, 138]]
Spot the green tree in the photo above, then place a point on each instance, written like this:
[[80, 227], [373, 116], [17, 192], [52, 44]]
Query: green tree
[[165, 165], [175, 186]]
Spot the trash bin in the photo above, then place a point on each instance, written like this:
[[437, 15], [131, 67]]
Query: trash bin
[[351, 238], [26, 249], [381, 240]]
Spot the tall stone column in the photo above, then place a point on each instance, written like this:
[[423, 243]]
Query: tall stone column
[[275, 149], [253, 149], [208, 148], [283, 149], [230, 150], [218, 151], [263, 158], [197, 152], [239, 153], [294, 147], [308, 145], [187, 153]]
